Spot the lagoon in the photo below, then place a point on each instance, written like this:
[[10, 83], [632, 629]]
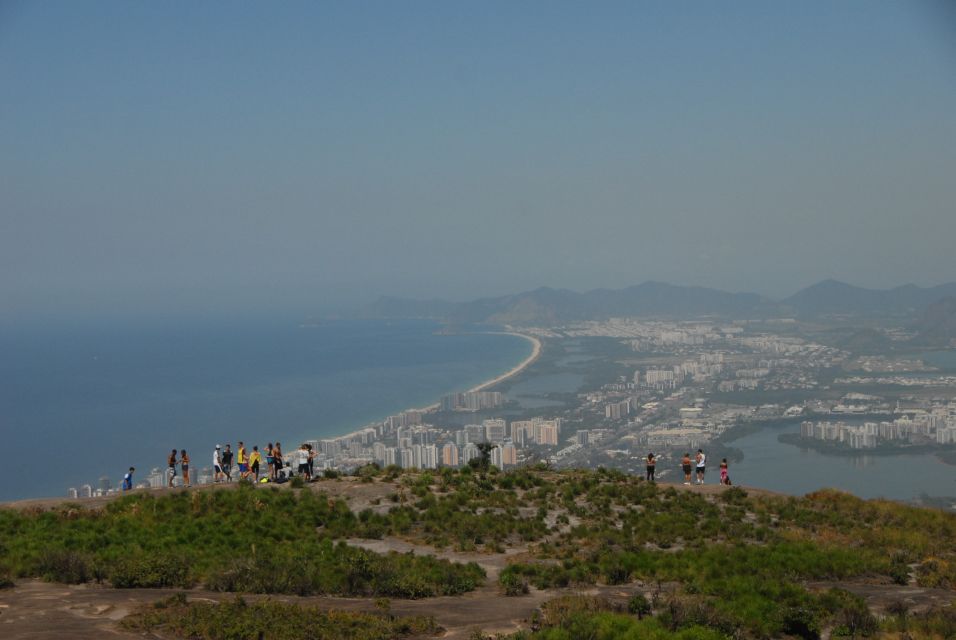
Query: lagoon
[[771, 464]]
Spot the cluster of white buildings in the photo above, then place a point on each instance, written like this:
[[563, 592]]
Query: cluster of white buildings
[[471, 401], [422, 446], [924, 427], [705, 366]]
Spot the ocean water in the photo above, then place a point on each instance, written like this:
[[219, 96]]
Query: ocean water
[[81, 402]]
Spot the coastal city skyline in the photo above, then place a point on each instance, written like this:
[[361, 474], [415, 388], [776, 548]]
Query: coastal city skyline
[[688, 397]]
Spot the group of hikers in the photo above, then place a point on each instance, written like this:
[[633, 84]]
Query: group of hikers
[[249, 464], [303, 460], [690, 466]]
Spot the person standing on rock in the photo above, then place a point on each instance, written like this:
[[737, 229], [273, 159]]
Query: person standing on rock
[[128, 480], [227, 463], [242, 460], [686, 467], [651, 464], [171, 468], [279, 462], [184, 460], [217, 464], [255, 459], [724, 473], [701, 466]]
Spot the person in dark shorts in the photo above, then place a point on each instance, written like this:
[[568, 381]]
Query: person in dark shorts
[[311, 461], [302, 455], [255, 458], [171, 467], [128, 479], [184, 459], [701, 466], [686, 467], [227, 462], [651, 464], [277, 455], [270, 461]]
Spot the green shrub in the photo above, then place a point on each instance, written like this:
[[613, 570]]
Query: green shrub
[[150, 571], [639, 605], [66, 566], [513, 584]]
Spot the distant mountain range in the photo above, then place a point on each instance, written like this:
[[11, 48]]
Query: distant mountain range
[[834, 297], [937, 324], [550, 306]]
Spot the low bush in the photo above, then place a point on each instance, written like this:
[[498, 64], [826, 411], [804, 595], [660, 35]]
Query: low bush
[[513, 584], [66, 566], [238, 620], [150, 571]]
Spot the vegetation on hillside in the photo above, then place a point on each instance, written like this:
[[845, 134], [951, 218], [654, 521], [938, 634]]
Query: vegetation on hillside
[[729, 564], [253, 540]]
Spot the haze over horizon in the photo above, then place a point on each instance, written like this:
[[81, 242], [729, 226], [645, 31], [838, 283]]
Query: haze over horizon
[[215, 157]]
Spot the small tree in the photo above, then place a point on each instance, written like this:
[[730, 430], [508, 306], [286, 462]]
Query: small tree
[[483, 462]]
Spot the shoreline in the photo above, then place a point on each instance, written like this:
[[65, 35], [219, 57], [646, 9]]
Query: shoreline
[[536, 348]]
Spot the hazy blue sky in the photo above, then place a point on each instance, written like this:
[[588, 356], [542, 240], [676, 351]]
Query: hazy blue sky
[[223, 155]]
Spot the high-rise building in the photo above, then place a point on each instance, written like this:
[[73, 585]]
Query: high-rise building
[[617, 410], [546, 433], [429, 456], [471, 401], [417, 456], [496, 458], [522, 431], [391, 456], [474, 433], [449, 455], [509, 455], [469, 452], [495, 430]]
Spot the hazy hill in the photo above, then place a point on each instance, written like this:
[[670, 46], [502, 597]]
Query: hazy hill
[[937, 324], [832, 296], [546, 305]]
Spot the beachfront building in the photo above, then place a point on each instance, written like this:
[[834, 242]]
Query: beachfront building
[[471, 401]]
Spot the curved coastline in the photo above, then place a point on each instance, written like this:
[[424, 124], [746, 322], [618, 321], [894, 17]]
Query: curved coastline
[[536, 346]]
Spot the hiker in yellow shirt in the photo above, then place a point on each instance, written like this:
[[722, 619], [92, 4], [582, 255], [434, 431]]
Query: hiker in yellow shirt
[[255, 459]]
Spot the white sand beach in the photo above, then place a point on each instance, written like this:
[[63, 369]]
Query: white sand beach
[[521, 366]]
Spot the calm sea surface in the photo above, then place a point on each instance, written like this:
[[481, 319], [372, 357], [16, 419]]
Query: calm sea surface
[[79, 403]]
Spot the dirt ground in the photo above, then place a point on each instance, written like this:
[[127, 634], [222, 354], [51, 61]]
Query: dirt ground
[[35, 609]]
